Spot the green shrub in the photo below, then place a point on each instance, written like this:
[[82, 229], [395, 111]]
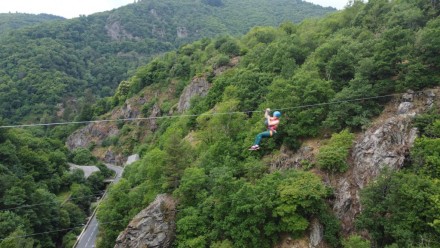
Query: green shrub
[[109, 141], [82, 156], [333, 156], [221, 60], [401, 209], [355, 241]]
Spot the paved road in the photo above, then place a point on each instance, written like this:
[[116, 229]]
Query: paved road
[[88, 170], [87, 238]]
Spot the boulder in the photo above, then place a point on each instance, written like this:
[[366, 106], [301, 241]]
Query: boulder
[[131, 159], [153, 227]]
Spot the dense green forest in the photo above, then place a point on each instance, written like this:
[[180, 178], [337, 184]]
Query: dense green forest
[[66, 62], [12, 21], [38, 193], [227, 197]]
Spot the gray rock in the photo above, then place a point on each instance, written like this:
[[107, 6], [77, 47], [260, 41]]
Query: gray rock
[[316, 233], [408, 97], [182, 32], [404, 108], [152, 122], [430, 98], [112, 158], [385, 144], [198, 87], [131, 159], [430, 94], [153, 227], [92, 133]]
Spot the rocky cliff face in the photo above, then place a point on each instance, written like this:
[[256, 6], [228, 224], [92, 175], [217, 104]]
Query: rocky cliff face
[[198, 87], [96, 133], [153, 227], [384, 145]]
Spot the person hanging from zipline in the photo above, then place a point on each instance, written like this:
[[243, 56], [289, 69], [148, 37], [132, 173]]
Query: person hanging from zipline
[[271, 123]]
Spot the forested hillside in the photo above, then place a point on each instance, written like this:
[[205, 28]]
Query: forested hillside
[[51, 71], [227, 195], [38, 194], [11, 21]]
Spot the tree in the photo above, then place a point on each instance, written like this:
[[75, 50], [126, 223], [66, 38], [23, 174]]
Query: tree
[[81, 195], [16, 239], [82, 156], [299, 197], [401, 208], [10, 222], [428, 40], [425, 156]]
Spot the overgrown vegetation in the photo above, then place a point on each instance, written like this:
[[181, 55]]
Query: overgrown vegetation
[[227, 197], [74, 62], [403, 208], [33, 172], [333, 156], [12, 21]]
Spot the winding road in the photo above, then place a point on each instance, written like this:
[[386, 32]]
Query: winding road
[[87, 238]]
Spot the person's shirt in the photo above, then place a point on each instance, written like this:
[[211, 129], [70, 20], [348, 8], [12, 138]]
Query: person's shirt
[[273, 123]]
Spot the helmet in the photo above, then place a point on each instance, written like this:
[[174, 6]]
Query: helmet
[[277, 113]]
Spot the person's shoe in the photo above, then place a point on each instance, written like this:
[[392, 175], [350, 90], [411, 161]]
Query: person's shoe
[[254, 147]]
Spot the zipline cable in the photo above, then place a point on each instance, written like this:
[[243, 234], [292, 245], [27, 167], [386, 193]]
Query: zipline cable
[[177, 116], [194, 115], [163, 117]]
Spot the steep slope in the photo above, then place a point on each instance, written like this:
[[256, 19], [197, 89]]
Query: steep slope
[[386, 144], [330, 78], [46, 69]]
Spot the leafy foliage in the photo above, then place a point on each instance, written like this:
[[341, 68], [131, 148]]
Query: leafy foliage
[[33, 171], [355, 241], [333, 156], [402, 209], [11, 21], [56, 62], [350, 59], [227, 197]]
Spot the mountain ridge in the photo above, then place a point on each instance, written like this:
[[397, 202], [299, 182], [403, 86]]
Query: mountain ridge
[[88, 56]]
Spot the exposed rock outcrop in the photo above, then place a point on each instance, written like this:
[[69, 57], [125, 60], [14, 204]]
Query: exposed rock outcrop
[[384, 145], [92, 133], [153, 227], [182, 32], [316, 234], [116, 31], [96, 133], [113, 158], [300, 159], [198, 87], [131, 159], [315, 239]]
